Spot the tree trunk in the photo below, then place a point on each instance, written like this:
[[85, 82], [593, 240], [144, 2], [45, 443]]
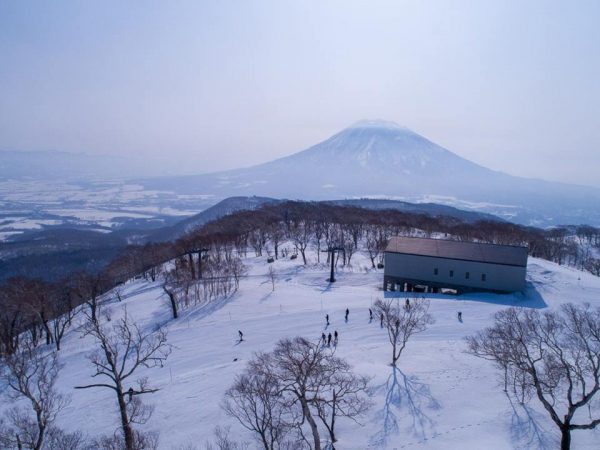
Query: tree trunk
[[93, 310], [192, 268], [333, 413], [127, 431], [173, 304], [265, 443], [303, 256], [41, 430], [313, 425], [565, 440]]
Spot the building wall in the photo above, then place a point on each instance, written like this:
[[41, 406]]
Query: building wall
[[411, 268]]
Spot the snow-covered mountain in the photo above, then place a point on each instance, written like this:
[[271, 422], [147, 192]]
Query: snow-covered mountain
[[380, 159]]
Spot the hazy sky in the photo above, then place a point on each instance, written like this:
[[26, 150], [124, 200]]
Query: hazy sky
[[513, 85]]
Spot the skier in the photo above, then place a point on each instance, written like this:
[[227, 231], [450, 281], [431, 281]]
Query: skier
[[335, 338], [329, 340], [327, 319], [370, 315], [347, 312], [241, 335], [460, 316]]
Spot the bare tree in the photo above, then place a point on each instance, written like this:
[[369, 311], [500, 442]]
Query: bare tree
[[300, 234], [63, 311], [255, 401], [222, 442], [272, 277], [89, 288], [31, 375], [375, 242], [123, 349], [554, 356], [276, 235], [345, 395], [401, 323], [172, 285]]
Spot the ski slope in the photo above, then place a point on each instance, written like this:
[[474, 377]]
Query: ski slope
[[438, 398]]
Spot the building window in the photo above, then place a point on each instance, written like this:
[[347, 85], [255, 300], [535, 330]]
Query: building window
[[452, 273], [467, 275], [483, 277], [435, 271]]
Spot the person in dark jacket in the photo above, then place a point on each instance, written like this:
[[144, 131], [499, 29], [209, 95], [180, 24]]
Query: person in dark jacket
[[335, 337], [241, 335], [347, 312], [329, 340]]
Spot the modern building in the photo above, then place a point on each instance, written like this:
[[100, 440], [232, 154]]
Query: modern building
[[419, 264]]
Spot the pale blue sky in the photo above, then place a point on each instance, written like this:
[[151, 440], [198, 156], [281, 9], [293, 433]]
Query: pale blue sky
[[513, 85]]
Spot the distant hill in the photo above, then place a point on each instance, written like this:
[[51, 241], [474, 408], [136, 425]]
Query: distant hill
[[223, 208], [234, 204], [377, 159]]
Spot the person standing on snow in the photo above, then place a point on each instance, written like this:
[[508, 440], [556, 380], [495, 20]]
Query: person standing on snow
[[327, 319], [347, 312], [335, 338], [370, 315], [323, 338], [329, 340], [241, 335]]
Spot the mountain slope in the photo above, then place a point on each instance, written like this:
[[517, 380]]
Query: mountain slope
[[439, 397], [383, 160]]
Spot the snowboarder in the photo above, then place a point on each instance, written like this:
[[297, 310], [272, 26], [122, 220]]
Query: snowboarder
[[327, 319], [329, 340], [370, 315], [460, 316], [347, 312], [241, 335], [335, 338]]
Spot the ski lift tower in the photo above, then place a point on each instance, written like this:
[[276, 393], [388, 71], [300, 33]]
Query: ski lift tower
[[332, 251]]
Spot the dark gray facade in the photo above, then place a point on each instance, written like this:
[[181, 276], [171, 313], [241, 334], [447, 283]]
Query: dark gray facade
[[464, 266]]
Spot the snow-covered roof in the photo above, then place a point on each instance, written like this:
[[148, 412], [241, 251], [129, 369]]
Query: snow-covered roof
[[466, 251]]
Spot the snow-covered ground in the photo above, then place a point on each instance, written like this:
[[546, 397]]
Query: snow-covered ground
[[439, 398]]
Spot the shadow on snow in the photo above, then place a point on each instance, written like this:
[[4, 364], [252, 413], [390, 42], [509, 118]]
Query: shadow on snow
[[531, 298], [407, 400], [527, 430]]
